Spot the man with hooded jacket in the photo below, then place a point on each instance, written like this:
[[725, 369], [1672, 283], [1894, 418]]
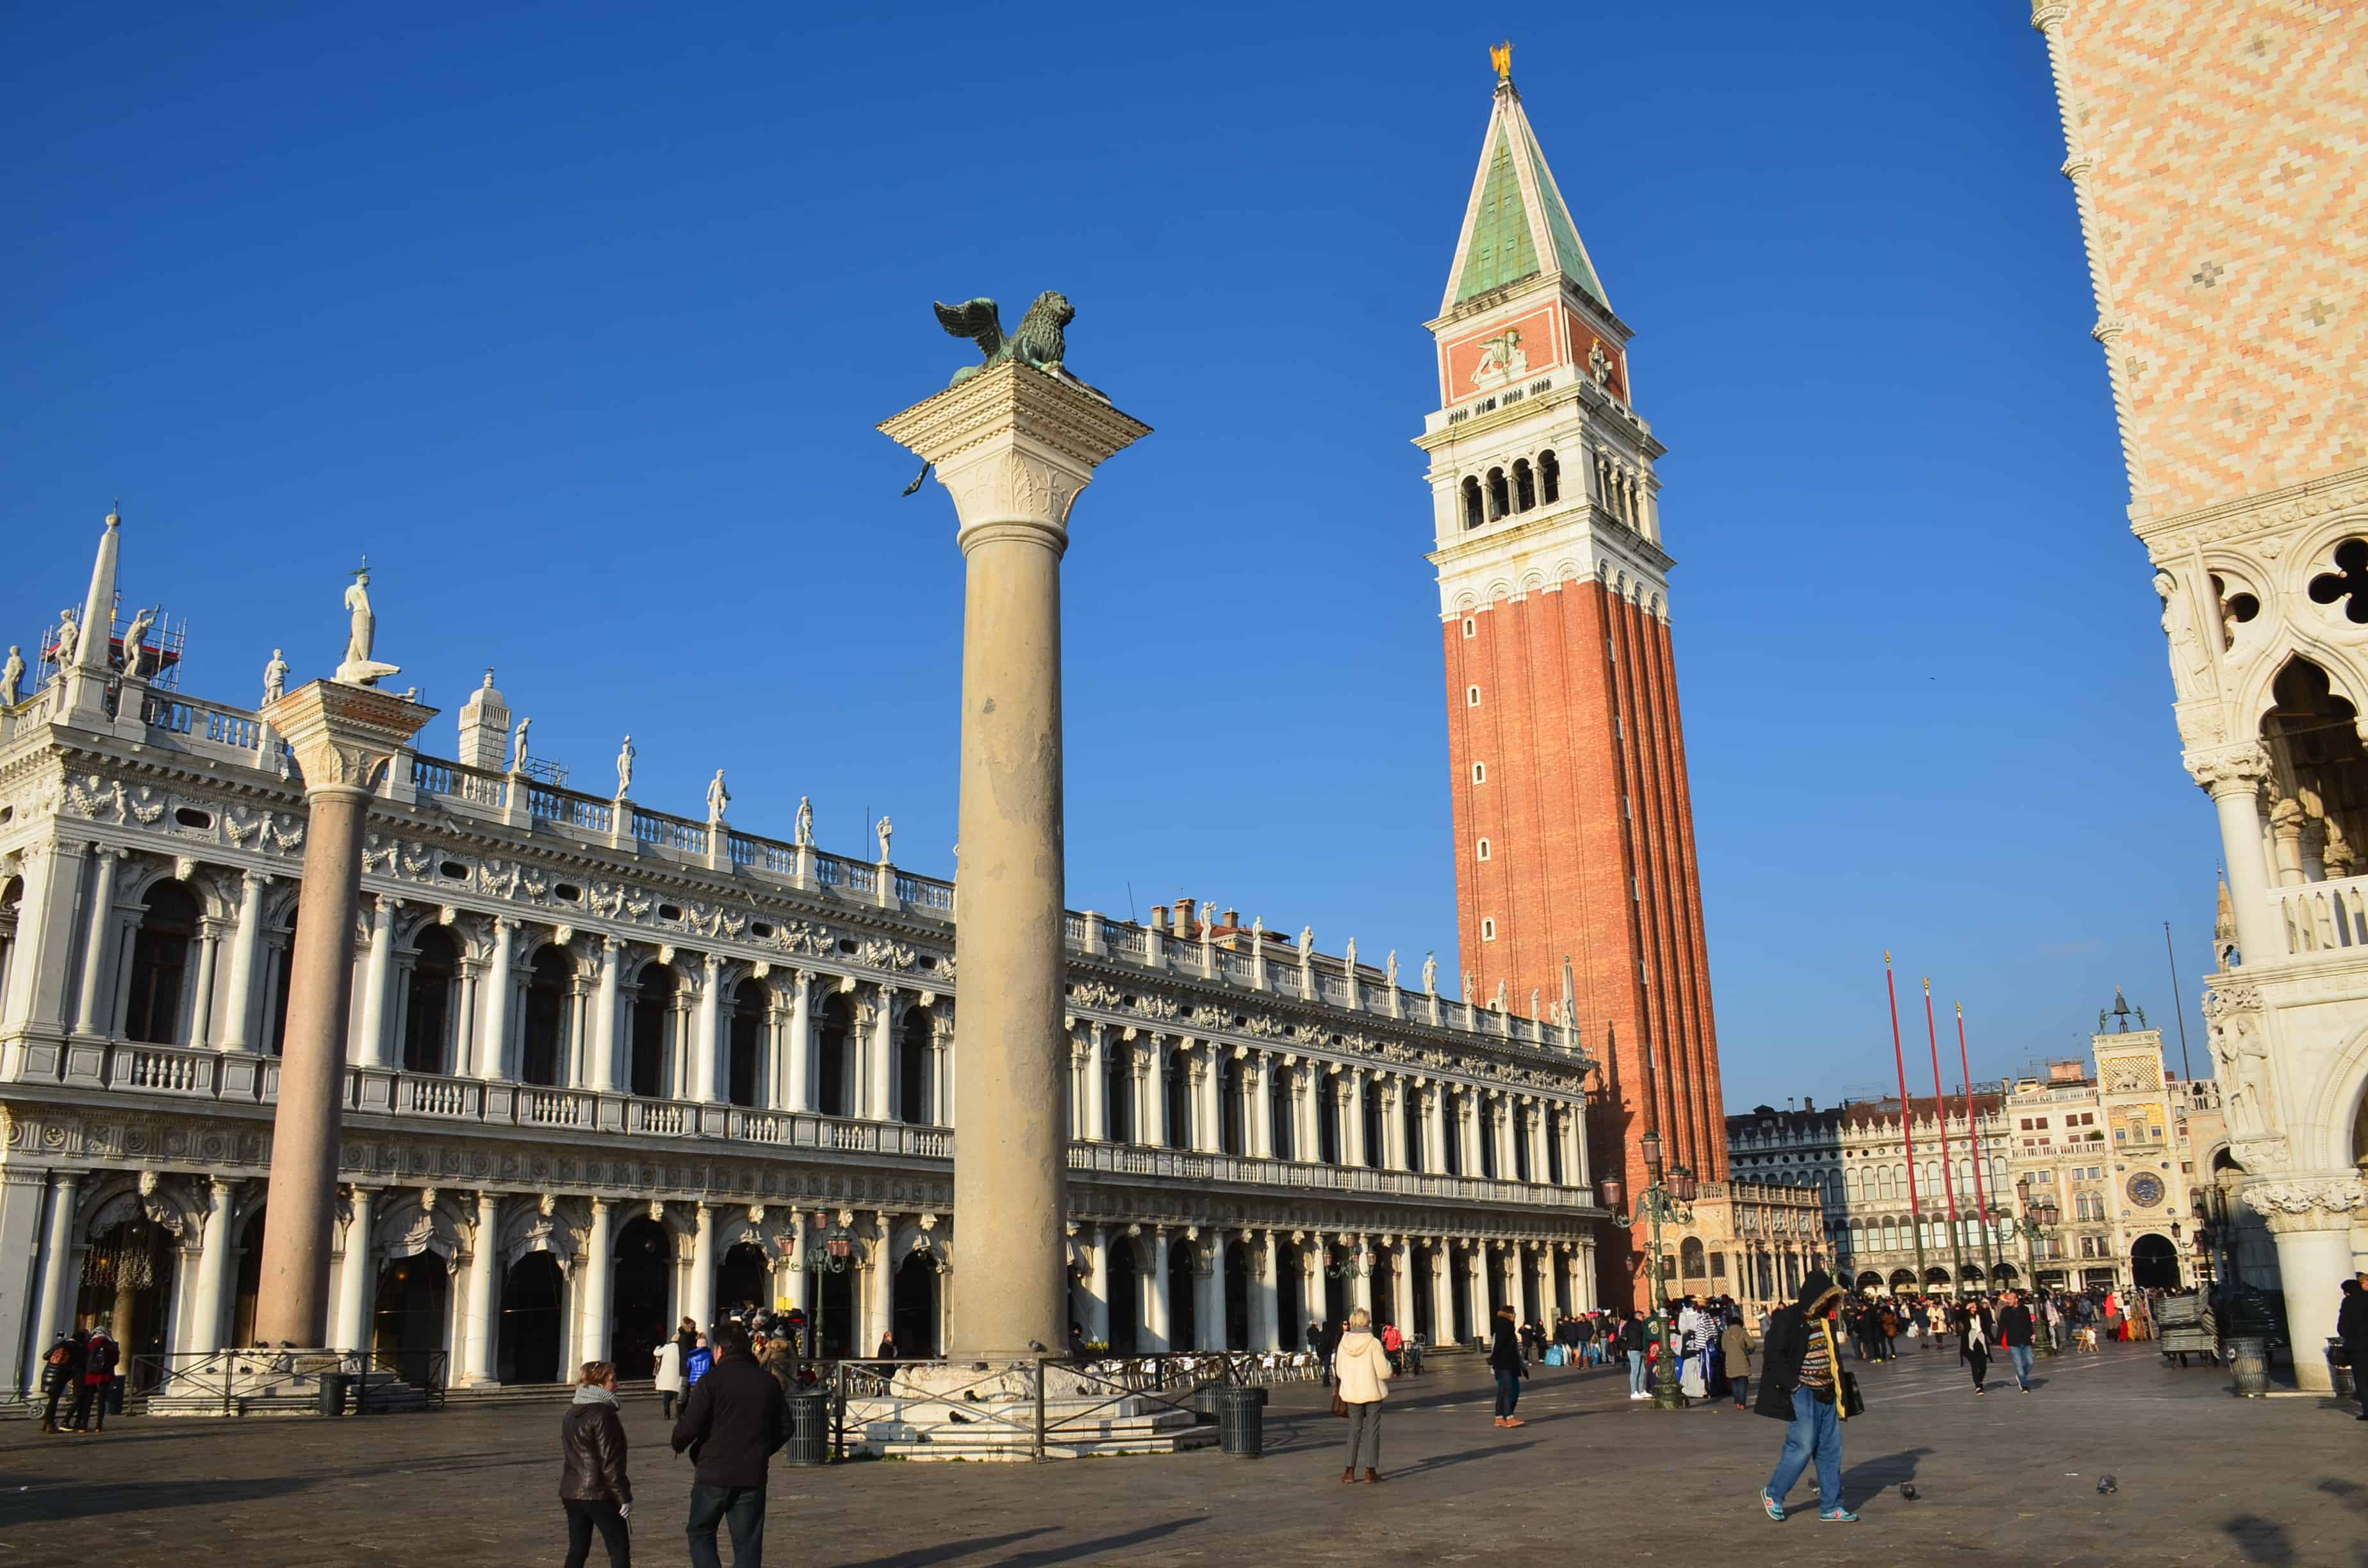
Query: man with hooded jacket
[[1801, 1383]]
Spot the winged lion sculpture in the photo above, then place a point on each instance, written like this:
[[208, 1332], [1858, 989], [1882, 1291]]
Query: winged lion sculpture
[[1039, 343]]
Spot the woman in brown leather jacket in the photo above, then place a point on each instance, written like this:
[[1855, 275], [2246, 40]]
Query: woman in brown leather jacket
[[593, 1486]]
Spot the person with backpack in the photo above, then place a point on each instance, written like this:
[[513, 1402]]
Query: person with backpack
[[732, 1424], [99, 1357], [62, 1367]]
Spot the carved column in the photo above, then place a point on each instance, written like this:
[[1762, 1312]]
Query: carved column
[[1014, 447], [879, 1075], [370, 1044], [1266, 1318], [493, 1063], [480, 1332], [1155, 1299], [60, 1274], [1097, 1126], [202, 1335], [701, 1299], [801, 1045], [1094, 1244], [604, 1076], [201, 1000], [97, 944], [600, 1267], [1258, 1141], [2232, 775], [359, 1276], [345, 737], [706, 1076], [1151, 1092], [2311, 1218]]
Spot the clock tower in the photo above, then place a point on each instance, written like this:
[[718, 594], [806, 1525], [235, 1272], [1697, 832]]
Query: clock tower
[[1573, 824]]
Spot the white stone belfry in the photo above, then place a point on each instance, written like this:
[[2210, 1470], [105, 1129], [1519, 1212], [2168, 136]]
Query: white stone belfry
[[1014, 447]]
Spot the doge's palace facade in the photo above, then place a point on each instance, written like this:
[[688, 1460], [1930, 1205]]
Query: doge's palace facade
[[2214, 152], [608, 1066]]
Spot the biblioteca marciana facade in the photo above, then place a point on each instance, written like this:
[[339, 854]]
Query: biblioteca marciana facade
[[608, 1066]]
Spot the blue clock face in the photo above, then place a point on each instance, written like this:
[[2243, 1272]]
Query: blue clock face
[[2145, 1191]]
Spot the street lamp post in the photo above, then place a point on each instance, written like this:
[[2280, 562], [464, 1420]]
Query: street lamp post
[[1660, 1204], [2038, 1219]]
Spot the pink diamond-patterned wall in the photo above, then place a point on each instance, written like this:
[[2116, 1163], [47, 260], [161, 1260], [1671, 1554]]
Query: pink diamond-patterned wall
[[2228, 153]]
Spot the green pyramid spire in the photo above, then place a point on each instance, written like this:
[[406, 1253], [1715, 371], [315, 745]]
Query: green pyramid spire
[[1517, 225]]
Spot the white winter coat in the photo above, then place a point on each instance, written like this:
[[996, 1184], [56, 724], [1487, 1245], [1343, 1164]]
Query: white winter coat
[[669, 1372]]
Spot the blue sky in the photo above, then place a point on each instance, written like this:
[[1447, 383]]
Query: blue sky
[[578, 318]]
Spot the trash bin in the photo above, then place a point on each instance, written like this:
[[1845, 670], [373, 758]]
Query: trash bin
[[1205, 1402], [2249, 1359], [333, 1392], [1241, 1422], [2339, 1369], [809, 1428]]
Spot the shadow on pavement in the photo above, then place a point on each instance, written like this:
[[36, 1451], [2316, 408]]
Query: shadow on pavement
[[1441, 1462], [2260, 1539], [1868, 1477], [1107, 1547], [83, 1500], [952, 1551]]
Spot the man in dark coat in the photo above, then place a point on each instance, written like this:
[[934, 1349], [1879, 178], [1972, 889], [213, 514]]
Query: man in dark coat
[[2352, 1327], [734, 1421], [2016, 1328], [1801, 1383]]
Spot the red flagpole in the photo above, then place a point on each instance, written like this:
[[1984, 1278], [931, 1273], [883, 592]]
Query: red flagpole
[[1940, 1111], [1972, 1131], [1906, 1121]]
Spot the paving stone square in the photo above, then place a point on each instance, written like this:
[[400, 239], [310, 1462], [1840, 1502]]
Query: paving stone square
[[2200, 1478]]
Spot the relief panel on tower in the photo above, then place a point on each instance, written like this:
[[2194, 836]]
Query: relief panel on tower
[[1500, 355]]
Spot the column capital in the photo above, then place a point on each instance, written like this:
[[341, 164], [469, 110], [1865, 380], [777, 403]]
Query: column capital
[[2321, 1203], [254, 882], [2229, 770], [345, 737], [1014, 445]]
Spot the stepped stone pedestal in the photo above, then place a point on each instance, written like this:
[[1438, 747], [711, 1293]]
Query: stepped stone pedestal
[[953, 1411]]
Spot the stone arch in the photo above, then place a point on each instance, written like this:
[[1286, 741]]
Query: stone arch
[[905, 1240], [409, 1228], [1472, 507], [1499, 590], [1567, 571], [527, 1229], [118, 1198], [545, 1042], [1467, 601]]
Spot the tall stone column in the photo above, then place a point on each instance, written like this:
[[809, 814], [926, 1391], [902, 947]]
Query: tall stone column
[[1266, 1318], [600, 1266], [202, 1334], [1259, 1142], [1014, 447], [1151, 1092], [345, 737], [1210, 1310], [354, 1289], [700, 1307], [706, 1083], [201, 996], [1097, 1119], [1155, 1300], [493, 1064], [801, 1044], [1442, 1294], [2311, 1220], [2232, 775], [604, 1076], [60, 1274], [97, 944], [370, 1048], [1094, 1242], [481, 1334]]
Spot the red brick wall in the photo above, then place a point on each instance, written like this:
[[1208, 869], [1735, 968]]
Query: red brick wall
[[1579, 708]]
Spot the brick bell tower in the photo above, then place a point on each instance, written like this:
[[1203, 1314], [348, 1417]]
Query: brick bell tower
[[1574, 826]]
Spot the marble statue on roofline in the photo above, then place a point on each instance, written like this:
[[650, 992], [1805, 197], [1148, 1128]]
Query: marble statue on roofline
[[275, 679], [719, 799], [66, 639], [12, 677], [359, 668], [805, 821], [135, 638], [625, 755], [1431, 972], [1306, 944], [886, 830], [518, 747]]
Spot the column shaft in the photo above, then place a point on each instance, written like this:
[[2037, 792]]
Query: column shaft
[[493, 1040], [370, 1045], [202, 1335], [292, 1302], [97, 942], [60, 1278], [354, 1289], [481, 1333], [701, 1306], [599, 1266]]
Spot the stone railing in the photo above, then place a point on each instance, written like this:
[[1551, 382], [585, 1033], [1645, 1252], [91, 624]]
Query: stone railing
[[190, 1074], [1186, 1164], [2318, 918]]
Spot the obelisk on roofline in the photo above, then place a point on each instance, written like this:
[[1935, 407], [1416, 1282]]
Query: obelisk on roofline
[[1013, 441]]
